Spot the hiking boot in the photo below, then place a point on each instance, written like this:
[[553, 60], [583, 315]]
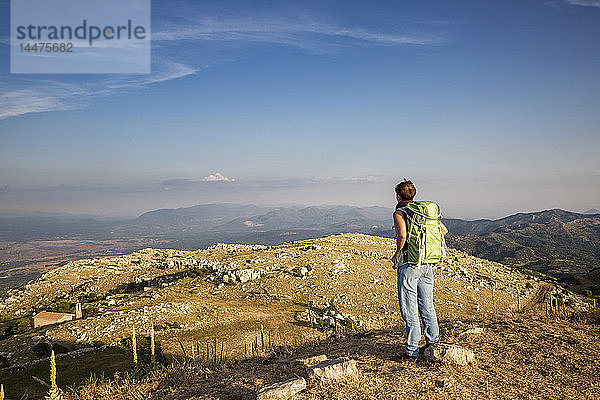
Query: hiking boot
[[422, 349], [406, 357]]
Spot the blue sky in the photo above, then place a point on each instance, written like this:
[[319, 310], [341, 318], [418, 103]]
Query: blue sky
[[490, 107]]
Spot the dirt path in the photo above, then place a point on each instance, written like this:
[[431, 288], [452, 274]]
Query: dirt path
[[538, 298]]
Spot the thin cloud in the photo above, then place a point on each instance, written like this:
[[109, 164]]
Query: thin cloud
[[349, 179], [178, 184], [175, 71], [584, 3], [53, 95], [203, 184], [368, 178], [170, 71], [283, 32], [316, 37]]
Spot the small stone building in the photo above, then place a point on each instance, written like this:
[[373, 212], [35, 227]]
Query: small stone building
[[49, 318]]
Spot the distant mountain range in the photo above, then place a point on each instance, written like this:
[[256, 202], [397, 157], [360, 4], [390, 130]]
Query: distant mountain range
[[234, 218], [515, 221], [200, 217], [203, 225], [559, 242], [315, 217]]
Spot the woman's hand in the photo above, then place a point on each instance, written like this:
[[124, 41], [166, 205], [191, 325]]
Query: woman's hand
[[396, 257]]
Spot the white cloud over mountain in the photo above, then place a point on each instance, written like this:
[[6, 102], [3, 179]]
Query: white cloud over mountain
[[217, 177]]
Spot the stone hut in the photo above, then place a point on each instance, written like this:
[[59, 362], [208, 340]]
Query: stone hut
[[49, 318]]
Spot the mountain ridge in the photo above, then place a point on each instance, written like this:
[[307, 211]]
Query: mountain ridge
[[556, 241], [482, 226]]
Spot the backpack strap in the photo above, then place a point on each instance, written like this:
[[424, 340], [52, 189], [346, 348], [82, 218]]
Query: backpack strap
[[438, 216], [404, 211], [409, 216]]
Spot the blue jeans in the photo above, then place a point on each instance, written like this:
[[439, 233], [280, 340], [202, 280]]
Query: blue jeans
[[415, 295]]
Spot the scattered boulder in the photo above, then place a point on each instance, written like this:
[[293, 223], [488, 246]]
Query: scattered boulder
[[449, 352], [333, 369], [301, 272], [329, 318], [282, 390], [474, 331], [243, 275]]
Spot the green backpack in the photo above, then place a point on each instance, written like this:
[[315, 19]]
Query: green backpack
[[424, 239]]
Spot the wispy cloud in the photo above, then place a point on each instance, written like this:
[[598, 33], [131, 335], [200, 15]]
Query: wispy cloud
[[584, 3], [53, 95], [169, 71], [182, 25], [45, 96], [283, 31], [179, 184], [349, 179]]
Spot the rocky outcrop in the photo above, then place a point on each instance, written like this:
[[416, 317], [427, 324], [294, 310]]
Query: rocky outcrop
[[282, 390], [333, 369], [448, 353], [328, 318]]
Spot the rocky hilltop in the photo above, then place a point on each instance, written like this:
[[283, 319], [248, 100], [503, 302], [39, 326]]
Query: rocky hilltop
[[228, 293]]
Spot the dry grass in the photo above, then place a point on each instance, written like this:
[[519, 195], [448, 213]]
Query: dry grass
[[522, 356], [363, 287]]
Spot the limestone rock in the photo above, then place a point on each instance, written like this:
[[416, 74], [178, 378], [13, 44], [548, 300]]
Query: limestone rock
[[301, 272], [282, 390], [333, 369], [449, 352], [244, 275], [473, 331]]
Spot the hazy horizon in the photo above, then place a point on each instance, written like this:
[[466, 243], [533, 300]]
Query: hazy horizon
[[34, 213]]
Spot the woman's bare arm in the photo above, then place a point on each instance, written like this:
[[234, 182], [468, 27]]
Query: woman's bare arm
[[400, 226]]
